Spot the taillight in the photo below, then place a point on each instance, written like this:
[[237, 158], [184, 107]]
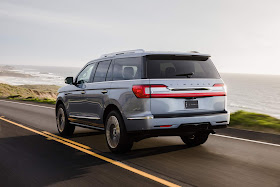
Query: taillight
[[144, 91], [221, 85], [218, 85], [141, 91], [161, 91]]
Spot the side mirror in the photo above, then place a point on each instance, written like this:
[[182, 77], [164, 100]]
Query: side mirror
[[69, 80], [81, 82]]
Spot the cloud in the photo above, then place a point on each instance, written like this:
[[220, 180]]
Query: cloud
[[40, 16]]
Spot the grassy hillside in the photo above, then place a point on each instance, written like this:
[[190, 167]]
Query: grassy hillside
[[38, 93], [254, 121]]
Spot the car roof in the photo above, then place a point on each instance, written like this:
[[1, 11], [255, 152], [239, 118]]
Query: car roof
[[141, 52]]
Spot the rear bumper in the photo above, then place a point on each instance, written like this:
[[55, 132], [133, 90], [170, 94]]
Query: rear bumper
[[183, 130], [189, 114], [190, 122]]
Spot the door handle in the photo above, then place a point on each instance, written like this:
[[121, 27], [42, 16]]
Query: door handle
[[83, 92], [104, 91]]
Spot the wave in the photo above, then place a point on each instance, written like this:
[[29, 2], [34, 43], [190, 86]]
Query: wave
[[239, 106]]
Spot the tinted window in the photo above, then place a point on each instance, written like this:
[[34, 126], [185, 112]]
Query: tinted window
[[101, 71], [127, 68], [180, 68], [110, 73], [85, 75]]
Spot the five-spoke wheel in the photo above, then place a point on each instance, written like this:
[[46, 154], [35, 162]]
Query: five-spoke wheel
[[63, 125], [117, 138]]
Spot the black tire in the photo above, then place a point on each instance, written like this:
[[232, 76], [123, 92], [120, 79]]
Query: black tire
[[117, 138], [63, 126], [195, 140]]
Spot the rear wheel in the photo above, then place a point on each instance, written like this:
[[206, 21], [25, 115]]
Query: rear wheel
[[63, 126], [116, 136], [196, 139]]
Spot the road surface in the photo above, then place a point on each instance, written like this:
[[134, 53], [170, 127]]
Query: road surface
[[32, 155]]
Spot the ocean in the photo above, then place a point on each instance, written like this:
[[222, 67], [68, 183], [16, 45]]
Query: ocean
[[46, 75], [250, 92], [255, 93]]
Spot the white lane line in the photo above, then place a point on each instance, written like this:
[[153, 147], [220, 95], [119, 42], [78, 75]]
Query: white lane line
[[247, 140], [26, 104]]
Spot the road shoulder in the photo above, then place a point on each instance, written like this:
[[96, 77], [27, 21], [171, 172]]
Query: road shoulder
[[251, 135]]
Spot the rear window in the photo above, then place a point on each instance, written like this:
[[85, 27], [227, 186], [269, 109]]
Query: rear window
[[101, 71], [127, 69], [159, 67]]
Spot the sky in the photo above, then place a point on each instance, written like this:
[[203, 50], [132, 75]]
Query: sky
[[241, 36]]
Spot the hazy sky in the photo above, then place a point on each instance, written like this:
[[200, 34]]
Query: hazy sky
[[241, 36]]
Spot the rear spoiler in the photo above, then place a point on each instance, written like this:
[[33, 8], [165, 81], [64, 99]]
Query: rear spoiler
[[193, 56]]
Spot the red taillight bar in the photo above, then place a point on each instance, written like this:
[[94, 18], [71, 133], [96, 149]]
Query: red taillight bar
[[207, 94], [219, 85], [165, 126], [158, 86], [144, 91]]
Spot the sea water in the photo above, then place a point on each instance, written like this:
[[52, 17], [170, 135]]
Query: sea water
[[256, 93]]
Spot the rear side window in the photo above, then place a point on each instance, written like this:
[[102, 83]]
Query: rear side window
[[101, 71], [127, 69], [173, 67], [109, 73]]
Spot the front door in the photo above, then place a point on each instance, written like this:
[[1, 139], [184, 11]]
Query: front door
[[76, 97]]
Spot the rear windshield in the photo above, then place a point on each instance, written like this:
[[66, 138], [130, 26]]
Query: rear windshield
[[159, 67]]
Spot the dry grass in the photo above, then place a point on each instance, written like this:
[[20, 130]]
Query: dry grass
[[29, 92]]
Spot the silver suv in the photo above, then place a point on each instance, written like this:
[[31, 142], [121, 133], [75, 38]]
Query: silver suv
[[138, 94]]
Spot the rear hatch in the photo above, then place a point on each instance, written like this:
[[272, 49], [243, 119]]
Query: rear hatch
[[183, 86]]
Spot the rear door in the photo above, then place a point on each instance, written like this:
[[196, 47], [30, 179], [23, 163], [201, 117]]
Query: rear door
[[96, 94], [184, 86]]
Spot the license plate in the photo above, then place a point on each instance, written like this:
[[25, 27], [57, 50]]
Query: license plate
[[191, 104]]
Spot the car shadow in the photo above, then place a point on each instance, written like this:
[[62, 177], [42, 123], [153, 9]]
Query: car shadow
[[84, 134], [97, 141], [145, 152]]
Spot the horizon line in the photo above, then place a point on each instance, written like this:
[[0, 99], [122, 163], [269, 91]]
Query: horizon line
[[249, 73]]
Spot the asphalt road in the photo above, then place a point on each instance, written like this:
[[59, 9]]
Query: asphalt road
[[30, 159]]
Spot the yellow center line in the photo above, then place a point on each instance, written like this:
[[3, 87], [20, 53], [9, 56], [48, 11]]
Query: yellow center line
[[67, 140], [114, 162]]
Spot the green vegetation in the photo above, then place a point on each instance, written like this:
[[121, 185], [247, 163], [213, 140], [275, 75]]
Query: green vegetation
[[36, 93], [254, 121], [48, 101]]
